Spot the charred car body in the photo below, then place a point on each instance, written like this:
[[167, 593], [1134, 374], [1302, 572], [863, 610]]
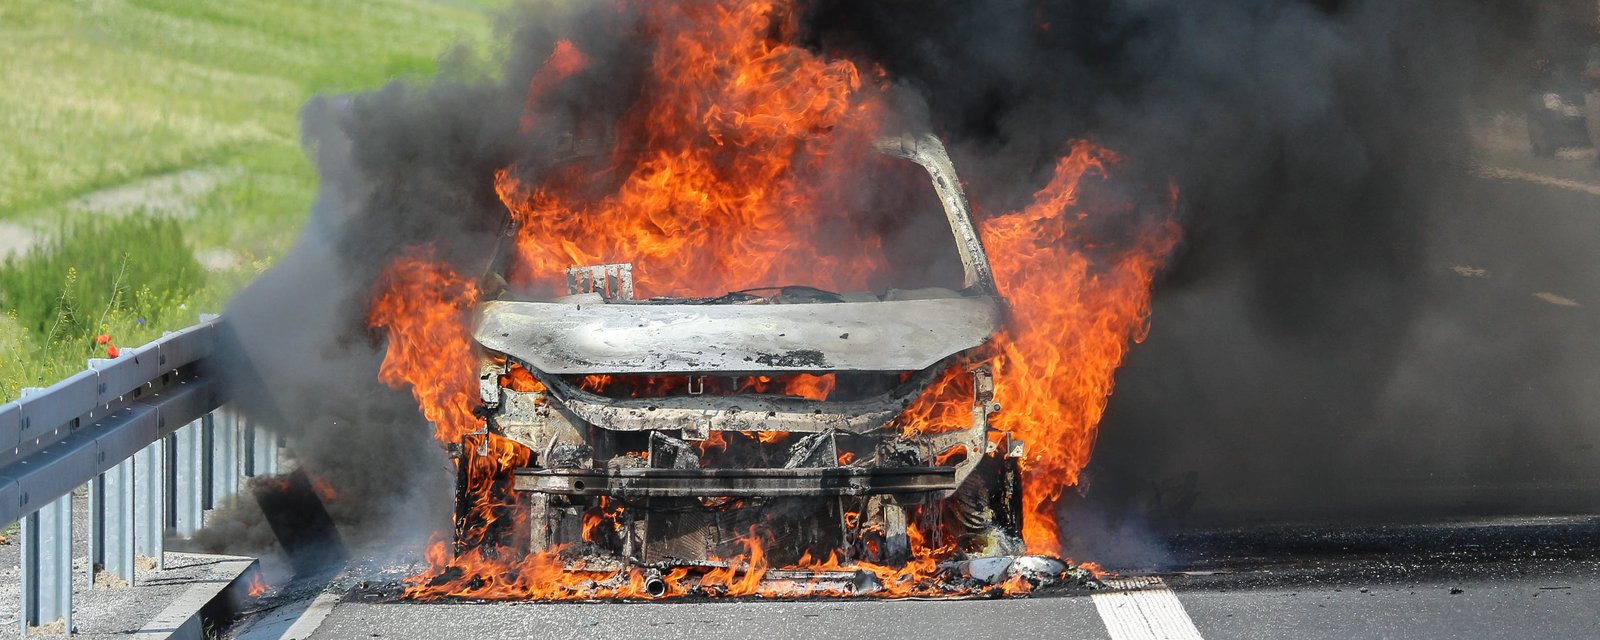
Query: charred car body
[[664, 430]]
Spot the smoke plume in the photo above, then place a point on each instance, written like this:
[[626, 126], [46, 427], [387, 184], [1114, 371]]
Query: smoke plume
[[1310, 143], [1311, 355]]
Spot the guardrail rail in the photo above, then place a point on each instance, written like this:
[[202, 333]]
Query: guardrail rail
[[149, 438]]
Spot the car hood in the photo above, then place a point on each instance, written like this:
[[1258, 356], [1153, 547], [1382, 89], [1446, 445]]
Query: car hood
[[564, 338]]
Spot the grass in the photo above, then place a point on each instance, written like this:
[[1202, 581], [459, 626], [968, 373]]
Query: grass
[[187, 112], [43, 288]]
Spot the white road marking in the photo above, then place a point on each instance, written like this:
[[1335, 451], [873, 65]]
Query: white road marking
[[293, 621], [313, 617], [1143, 609], [1518, 174]]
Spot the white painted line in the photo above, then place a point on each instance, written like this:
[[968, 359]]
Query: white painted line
[[1143, 609], [293, 621], [313, 617], [1503, 173]]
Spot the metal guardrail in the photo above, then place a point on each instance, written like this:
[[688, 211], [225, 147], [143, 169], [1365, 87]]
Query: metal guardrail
[[148, 436]]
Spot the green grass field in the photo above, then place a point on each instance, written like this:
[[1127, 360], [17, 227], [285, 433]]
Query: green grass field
[[127, 120]]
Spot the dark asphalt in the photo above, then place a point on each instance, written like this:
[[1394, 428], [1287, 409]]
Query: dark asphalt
[[1556, 606], [1559, 600], [1501, 579]]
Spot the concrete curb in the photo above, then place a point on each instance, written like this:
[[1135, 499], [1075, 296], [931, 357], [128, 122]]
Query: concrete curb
[[205, 604]]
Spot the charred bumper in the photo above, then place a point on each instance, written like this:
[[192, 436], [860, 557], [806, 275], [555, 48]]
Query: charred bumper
[[694, 483]]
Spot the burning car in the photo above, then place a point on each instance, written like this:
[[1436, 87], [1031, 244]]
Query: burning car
[[665, 432], [661, 428]]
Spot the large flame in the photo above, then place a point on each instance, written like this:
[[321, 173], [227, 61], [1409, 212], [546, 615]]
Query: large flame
[[424, 305], [722, 158], [718, 179], [1073, 317]]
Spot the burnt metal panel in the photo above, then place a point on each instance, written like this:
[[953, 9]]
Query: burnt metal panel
[[701, 414], [576, 339], [687, 483], [732, 413], [926, 150], [609, 281]]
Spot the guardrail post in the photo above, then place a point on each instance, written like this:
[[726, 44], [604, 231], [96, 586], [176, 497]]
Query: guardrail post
[[148, 502], [225, 469], [97, 526], [208, 461], [270, 454], [187, 465], [119, 523], [47, 565], [261, 458]]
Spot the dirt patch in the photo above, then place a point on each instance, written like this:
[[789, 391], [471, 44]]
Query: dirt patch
[[16, 239], [173, 194], [218, 259]]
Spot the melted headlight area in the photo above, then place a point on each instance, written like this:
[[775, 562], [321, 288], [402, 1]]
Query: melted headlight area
[[680, 471]]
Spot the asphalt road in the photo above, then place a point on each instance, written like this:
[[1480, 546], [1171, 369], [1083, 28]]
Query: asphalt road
[[1507, 610], [1519, 609], [1501, 579]]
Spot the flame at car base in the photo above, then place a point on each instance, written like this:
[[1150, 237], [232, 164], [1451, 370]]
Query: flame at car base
[[718, 182]]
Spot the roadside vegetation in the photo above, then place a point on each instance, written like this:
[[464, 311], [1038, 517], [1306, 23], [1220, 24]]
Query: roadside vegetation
[[152, 163]]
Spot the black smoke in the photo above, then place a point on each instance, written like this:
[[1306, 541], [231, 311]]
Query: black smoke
[[1310, 142], [1311, 357], [1295, 368]]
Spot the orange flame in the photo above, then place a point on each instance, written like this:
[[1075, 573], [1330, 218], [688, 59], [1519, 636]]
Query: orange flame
[[1073, 317], [518, 379], [321, 487], [738, 127], [563, 63], [946, 405], [424, 306]]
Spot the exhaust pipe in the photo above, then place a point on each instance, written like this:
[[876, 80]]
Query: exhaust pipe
[[654, 586]]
